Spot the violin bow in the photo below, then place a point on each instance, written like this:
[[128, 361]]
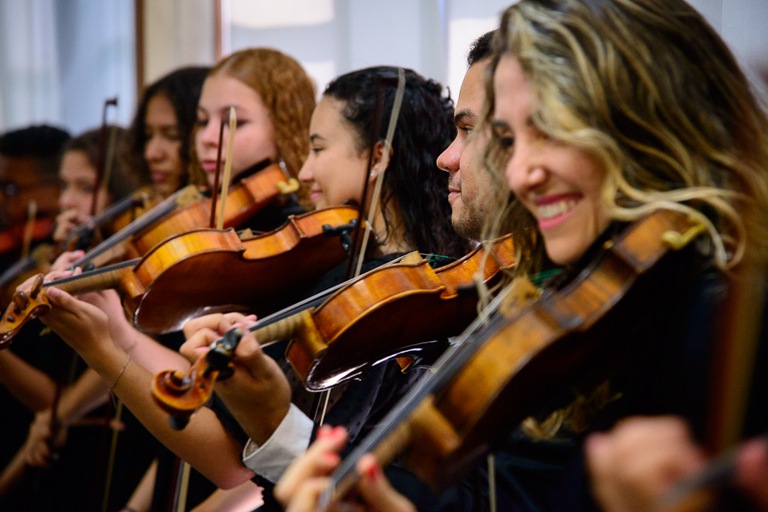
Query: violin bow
[[29, 229], [361, 243], [227, 167], [217, 175], [103, 154], [394, 114]]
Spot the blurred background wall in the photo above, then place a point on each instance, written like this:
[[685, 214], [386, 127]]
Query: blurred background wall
[[60, 59]]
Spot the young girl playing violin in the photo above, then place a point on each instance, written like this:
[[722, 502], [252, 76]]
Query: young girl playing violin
[[596, 124], [412, 210], [273, 98], [35, 366], [159, 139]]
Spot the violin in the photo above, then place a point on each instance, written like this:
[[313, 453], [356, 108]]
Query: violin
[[182, 277], [12, 238], [516, 363], [353, 328], [114, 218], [80, 237], [189, 208]]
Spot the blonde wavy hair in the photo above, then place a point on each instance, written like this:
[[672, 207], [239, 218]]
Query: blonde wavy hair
[[648, 89]]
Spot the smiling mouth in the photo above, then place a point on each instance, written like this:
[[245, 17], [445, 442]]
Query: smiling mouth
[[555, 209]]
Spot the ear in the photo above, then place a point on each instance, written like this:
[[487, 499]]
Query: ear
[[380, 158]]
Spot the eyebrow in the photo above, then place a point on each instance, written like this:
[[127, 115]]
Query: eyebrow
[[497, 124], [315, 137], [463, 115]]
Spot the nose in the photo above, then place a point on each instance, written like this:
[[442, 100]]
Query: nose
[[153, 150], [305, 173], [208, 134], [449, 159], [524, 171], [67, 199]]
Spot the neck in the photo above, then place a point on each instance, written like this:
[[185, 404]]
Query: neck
[[391, 242]]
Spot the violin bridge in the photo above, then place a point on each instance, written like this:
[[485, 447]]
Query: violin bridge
[[412, 258]]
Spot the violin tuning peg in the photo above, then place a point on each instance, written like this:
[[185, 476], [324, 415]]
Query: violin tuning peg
[[37, 285], [20, 301]]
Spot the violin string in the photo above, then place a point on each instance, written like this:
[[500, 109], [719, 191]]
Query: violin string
[[134, 227], [104, 216], [453, 357], [306, 303]]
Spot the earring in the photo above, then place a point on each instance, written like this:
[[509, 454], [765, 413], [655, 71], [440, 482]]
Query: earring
[[373, 173]]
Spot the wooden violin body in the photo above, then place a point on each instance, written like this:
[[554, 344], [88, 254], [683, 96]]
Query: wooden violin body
[[205, 271], [377, 316], [189, 209], [392, 311], [518, 363]]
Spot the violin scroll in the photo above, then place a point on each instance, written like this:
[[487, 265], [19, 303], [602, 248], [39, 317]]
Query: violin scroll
[[181, 395], [24, 307]]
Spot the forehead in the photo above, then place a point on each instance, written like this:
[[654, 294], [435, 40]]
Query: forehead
[[328, 110], [20, 169], [222, 90], [160, 108], [513, 93], [76, 163], [472, 92]]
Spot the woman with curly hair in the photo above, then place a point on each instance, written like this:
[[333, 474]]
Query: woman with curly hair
[[273, 98]]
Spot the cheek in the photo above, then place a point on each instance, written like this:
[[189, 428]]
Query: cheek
[[510, 177]]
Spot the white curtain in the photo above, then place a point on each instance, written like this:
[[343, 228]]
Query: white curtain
[[29, 83], [61, 59]]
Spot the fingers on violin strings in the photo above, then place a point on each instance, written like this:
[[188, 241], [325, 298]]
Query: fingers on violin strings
[[376, 489], [206, 321], [303, 497], [198, 343], [320, 459], [248, 346], [237, 320], [59, 274]]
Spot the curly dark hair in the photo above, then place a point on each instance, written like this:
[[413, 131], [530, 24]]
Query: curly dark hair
[[413, 185], [181, 88]]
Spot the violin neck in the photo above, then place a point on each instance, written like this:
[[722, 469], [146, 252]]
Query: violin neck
[[282, 329], [124, 234], [96, 280], [108, 215]]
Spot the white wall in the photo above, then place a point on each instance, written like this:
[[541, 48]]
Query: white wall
[[59, 59]]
